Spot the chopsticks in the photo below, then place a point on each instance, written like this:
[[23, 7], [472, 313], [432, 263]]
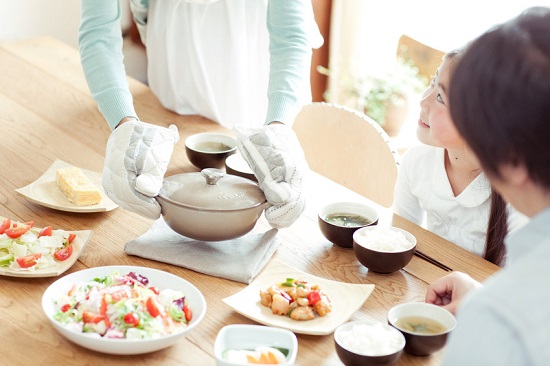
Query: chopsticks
[[427, 258]]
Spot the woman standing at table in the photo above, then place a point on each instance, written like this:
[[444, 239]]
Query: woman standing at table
[[237, 62], [499, 104], [442, 179]]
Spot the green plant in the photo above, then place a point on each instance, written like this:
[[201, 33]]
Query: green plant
[[376, 94]]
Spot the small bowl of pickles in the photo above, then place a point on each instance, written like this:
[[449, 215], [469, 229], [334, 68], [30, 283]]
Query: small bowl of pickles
[[339, 220]]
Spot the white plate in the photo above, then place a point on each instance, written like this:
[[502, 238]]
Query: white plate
[[78, 244], [248, 336], [160, 279], [44, 191], [346, 299]]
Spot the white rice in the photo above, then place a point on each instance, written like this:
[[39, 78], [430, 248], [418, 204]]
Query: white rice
[[370, 339], [383, 239]]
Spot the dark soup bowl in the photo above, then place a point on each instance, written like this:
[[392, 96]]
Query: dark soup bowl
[[425, 326], [339, 220], [382, 249]]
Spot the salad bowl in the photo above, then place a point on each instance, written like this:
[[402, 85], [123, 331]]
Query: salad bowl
[[123, 345]]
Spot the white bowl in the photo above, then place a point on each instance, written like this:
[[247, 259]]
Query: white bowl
[[248, 336], [160, 279]]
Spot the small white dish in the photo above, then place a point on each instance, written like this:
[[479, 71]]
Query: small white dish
[[248, 337], [45, 192], [79, 243], [346, 299], [236, 165], [162, 280]]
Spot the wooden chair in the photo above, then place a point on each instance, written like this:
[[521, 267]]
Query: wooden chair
[[349, 148], [427, 59]]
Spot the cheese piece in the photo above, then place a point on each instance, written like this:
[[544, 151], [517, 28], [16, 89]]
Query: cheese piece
[[77, 187]]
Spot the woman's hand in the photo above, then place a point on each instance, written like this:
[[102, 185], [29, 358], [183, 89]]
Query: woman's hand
[[448, 291], [277, 160], [136, 160]]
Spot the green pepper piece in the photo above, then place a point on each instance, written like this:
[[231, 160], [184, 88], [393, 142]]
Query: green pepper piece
[[288, 283]]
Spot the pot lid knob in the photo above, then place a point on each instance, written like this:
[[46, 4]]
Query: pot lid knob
[[212, 175]]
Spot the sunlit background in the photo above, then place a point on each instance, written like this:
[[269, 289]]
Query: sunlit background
[[364, 35]]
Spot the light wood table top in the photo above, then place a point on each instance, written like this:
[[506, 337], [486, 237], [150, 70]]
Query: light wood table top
[[47, 113]]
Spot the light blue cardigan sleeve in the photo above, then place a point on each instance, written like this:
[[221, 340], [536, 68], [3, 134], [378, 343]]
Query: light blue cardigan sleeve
[[100, 42], [290, 47]]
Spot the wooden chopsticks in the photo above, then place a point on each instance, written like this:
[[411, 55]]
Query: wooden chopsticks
[[432, 261]]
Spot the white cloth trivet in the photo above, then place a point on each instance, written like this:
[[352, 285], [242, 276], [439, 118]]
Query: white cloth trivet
[[239, 259]]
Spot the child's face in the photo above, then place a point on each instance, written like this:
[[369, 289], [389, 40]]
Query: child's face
[[435, 126]]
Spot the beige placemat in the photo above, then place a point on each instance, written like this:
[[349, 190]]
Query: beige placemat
[[239, 259]]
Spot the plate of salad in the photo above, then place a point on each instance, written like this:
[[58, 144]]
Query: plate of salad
[[124, 310], [29, 251]]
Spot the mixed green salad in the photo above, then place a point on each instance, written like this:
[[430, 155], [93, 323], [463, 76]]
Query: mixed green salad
[[26, 248], [122, 306]]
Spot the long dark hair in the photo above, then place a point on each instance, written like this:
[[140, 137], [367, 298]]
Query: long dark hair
[[497, 225], [497, 228]]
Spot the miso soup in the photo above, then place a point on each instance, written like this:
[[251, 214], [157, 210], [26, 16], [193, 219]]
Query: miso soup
[[211, 146], [420, 325], [347, 219]]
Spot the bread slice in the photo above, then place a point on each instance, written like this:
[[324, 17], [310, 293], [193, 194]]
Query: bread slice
[[77, 187]]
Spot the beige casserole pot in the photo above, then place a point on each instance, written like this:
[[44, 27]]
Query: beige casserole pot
[[210, 205]]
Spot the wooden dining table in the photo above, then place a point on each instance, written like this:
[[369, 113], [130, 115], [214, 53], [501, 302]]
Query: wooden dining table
[[47, 113]]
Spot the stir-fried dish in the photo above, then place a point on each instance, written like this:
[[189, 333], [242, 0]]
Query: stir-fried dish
[[297, 299], [123, 306]]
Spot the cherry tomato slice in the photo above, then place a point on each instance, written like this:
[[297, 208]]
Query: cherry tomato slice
[[28, 261], [154, 308], [5, 224], [131, 319], [89, 317], [17, 231], [63, 253], [103, 311], [188, 313], [47, 231], [71, 238]]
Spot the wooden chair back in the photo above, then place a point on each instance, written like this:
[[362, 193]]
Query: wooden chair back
[[349, 148], [427, 59]]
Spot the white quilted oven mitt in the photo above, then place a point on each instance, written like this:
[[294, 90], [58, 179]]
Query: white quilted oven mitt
[[136, 160], [277, 160]]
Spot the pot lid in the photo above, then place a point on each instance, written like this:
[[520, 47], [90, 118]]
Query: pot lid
[[212, 189]]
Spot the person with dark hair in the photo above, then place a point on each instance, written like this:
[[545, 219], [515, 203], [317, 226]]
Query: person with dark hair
[[442, 181], [499, 100]]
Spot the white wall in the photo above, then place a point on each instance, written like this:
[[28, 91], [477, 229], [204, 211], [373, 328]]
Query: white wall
[[20, 19]]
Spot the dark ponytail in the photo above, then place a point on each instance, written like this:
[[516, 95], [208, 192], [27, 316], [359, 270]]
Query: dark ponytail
[[497, 228]]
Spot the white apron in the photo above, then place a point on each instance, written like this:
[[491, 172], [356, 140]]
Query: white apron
[[210, 58]]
